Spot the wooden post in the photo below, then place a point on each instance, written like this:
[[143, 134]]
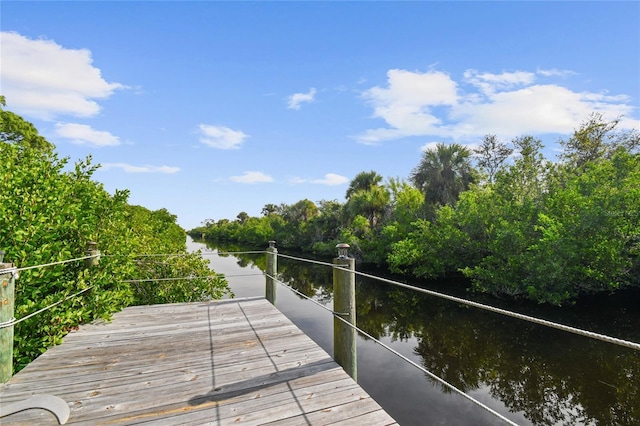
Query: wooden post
[[7, 310], [272, 270], [92, 250], [344, 305]]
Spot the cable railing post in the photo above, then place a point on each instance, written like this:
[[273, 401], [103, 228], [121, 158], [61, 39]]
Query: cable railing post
[[92, 250], [7, 307], [272, 271], [344, 305]]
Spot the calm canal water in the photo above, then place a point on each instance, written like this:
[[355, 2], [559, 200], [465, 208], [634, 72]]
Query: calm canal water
[[531, 374]]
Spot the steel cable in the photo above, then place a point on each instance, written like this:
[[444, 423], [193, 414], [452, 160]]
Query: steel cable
[[393, 351]]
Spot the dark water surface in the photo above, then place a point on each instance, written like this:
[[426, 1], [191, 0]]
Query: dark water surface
[[529, 373]]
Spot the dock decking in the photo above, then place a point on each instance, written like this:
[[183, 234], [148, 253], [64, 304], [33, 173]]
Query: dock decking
[[222, 362]]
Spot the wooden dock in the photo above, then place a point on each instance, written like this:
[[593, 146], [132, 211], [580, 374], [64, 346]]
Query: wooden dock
[[222, 362]]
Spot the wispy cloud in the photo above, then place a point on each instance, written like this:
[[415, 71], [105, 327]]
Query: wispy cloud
[[252, 177], [489, 83], [330, 179], [297, 99], [221, 137], [554, 72], [129, 168], [42, 79], [83, 134], [508, 104]]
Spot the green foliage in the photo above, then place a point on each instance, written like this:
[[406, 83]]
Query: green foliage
[[577, 233], [370, 203], [14, 129], [48, 214], [542, 232], [443, 173], [491, 155], [432, 249], [596, 139], [363, 182], [532, 229]]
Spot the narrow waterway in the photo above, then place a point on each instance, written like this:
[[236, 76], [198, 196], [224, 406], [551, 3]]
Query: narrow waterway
[[531, 374]]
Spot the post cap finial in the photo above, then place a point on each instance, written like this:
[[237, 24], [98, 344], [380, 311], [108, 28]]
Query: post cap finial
[[343, 250], [272, 244], [2, 253]]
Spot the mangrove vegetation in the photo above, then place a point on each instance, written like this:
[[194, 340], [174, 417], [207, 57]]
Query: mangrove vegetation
[[512, 221]]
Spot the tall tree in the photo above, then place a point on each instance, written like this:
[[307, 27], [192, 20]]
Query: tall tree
[[443, 173], [596, 138], [362, 182], [370, 203], [16, 130], [491, 155], [301, 211], [526, 180], [242, 217], [269, 209]]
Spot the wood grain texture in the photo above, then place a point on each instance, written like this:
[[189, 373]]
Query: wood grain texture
[[236, 361]]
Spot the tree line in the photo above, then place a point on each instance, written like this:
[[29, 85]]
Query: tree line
[[49, 210], [503, 215]]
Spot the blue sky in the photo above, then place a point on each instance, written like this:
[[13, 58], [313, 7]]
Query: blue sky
[[213, 108]]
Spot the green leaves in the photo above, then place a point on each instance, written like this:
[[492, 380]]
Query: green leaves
[[48, 215], [541, 231], [443, 173]]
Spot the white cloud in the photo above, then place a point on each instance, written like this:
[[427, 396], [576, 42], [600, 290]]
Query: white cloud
[[489, 83], [83, 134], [298, 98], [507, 104], [40, 78], [221, 137], [297, 180], [554, 72], [406, 103], [534, 109], [129, 168], [330, 179], [252, 177]]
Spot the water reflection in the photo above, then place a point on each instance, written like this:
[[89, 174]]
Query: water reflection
[[552, 377], [546, 376]]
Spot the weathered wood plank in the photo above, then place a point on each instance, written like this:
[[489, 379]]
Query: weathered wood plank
[[224, 362]]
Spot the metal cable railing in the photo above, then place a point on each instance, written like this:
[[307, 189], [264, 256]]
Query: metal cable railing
[[61, 262], [574, 330], [398, 354], [202, 253], [13, 321], [563, 327]]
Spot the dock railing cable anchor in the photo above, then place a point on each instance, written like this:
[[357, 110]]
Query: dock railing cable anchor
[[11, 321]]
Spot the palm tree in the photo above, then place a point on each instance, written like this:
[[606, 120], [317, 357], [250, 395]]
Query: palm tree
[[370, 203], [363, 182], [443, 173]]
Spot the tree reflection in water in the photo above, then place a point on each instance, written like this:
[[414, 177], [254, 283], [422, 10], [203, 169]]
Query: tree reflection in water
[[551, 376]]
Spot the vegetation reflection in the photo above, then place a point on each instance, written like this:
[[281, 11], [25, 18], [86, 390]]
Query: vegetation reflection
[[549, 375]]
